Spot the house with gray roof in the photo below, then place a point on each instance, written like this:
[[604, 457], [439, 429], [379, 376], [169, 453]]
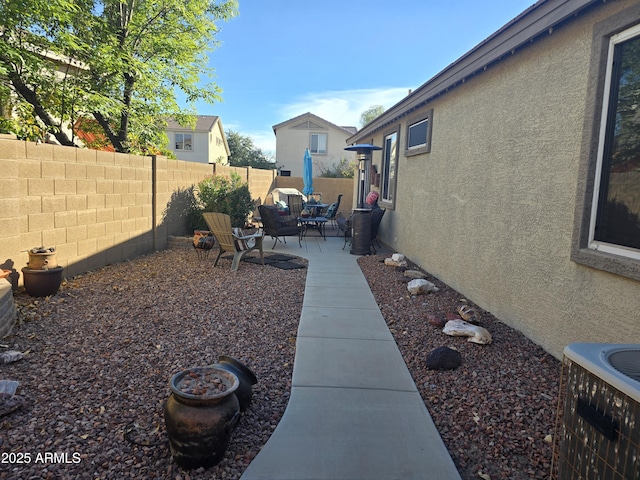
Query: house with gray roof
[[205, 143], [513, 175]]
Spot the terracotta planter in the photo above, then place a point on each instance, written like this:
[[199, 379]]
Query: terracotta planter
[[41, 261]]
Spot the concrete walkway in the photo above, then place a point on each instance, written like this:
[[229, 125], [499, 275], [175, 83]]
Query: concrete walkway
[[354, 410]]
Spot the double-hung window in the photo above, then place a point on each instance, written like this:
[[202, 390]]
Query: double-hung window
[[389, 168], [184, 141], [615, 213], [318, 143]]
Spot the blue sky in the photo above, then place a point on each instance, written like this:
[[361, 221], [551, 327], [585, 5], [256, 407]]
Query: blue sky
[[281, 58]]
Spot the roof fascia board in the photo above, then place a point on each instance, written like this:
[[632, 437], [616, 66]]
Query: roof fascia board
[[536, 20]]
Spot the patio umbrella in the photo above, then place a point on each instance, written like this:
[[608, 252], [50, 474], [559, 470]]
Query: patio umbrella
[[307, 173]]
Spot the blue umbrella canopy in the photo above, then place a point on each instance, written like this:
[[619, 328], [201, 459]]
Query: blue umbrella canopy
[[307, 173]]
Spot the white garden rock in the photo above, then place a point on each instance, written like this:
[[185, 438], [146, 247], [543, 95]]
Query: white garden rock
[[421, 286], [396, 260], [460, 328], [414, 274]]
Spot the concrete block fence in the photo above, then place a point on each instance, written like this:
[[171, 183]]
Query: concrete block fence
[[95, 207]]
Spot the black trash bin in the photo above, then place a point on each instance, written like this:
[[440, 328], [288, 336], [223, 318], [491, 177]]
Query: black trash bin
[[361, 231]]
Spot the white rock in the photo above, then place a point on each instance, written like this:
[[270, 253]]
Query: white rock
[[460, 328], [414, 274], [397, 257], [421, 286], [392, 263]]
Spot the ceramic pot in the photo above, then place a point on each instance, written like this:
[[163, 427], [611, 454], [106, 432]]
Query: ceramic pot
[[40, 261], [199, 425], [245, 376], [42, 283]]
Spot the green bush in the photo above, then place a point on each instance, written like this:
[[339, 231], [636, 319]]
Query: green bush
[[223, 195]]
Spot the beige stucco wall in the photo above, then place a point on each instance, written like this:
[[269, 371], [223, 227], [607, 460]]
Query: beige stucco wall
[[490, 210], [292, 142]]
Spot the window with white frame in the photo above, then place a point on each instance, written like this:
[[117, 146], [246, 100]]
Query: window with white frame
[[184, 141], [318, 143], [615, 213], [389, 168]]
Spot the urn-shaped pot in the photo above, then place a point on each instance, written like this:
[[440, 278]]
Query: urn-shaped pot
[[200, 415]]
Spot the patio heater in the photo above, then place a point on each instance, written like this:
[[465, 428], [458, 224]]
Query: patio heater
[[361, 219], [363, 156]]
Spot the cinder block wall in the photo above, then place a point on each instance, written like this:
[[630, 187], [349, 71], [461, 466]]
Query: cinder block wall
[[329, 187], [94, 207]]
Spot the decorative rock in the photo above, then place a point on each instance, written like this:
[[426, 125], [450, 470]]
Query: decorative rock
[[393, 263], [414, 274], [398, 257], [460, 328], [468, 314], [421, 286], [444, 358], [10, 403], [11, 356], [436, 321]]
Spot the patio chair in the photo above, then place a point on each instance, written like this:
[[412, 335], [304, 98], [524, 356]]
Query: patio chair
[[295, 205], [344, 224], [276, 226], [232, 239], [376, 218], [332, 211]]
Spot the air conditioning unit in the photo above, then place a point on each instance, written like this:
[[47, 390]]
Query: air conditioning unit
[[598, 428]]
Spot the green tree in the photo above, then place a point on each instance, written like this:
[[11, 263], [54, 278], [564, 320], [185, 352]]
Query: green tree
[[121, 62], [370, 113], [224, 195], [243, 153], [343, 169]]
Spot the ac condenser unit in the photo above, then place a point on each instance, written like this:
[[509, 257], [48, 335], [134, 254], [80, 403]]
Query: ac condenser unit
[[598, 432]]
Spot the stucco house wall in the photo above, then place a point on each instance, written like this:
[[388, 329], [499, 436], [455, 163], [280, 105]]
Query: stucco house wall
[[293, 137], [492, 208]]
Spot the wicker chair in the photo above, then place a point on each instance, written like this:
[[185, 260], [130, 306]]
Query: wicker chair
[[276, 226]]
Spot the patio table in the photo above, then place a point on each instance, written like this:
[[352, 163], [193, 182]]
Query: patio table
[[311, 222]]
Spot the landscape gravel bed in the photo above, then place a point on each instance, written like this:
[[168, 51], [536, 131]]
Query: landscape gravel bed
[[101, 352], [496, 413]]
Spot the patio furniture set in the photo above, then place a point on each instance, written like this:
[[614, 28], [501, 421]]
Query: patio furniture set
[[298, 221]]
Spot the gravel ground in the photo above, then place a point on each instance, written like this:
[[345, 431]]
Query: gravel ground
[[496, 413], [101, 352]]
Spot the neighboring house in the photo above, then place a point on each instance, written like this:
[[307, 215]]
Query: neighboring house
[[514, 174], [325, 141], [206, 143]]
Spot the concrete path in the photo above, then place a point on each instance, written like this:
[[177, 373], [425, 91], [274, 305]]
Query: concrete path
[[354, 410]]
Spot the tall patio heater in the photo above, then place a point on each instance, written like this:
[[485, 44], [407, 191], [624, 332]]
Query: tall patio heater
[[363, 156], [361, 219]]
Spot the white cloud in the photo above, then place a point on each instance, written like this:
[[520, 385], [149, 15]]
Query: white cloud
[[343, 107]]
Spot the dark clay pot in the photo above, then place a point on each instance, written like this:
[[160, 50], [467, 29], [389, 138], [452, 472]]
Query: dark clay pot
[[245, 376], [199, 427], [42, 283]]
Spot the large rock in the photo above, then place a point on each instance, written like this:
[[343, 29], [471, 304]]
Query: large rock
[[396, 260], [444, 358], [421, 286], [413, 274], [460, 328]]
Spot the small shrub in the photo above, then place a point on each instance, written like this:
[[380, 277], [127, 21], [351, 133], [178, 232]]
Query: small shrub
[[223, 195]]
